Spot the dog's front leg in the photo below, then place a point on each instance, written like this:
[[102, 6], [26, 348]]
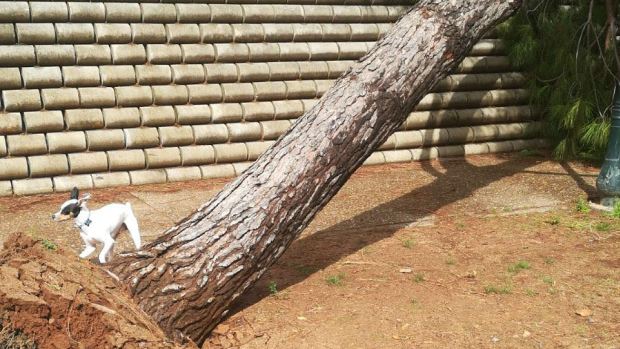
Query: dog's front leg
[[87, 251], [107, 246]]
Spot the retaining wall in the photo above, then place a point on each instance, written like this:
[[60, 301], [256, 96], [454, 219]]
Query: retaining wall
[[99, 94]]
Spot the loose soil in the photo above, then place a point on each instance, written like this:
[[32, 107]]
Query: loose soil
[[483, 252], [58, 301]]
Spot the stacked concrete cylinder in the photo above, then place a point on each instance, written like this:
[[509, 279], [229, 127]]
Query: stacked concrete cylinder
[[97, 94]]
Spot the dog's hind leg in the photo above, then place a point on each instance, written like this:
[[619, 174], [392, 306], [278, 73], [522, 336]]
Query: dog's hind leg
[[107, 247], [132, 225], [108, 257]]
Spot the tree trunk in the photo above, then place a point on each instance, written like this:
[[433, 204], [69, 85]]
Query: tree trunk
[[188, 277]]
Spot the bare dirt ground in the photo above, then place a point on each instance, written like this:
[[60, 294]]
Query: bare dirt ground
[[483, 252]]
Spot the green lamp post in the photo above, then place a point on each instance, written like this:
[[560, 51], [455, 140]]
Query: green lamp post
[[608, 181]]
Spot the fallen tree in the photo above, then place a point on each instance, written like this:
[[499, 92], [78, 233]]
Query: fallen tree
[[188, 277]]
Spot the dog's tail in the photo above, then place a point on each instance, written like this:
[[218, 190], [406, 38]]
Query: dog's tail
[[132, 225]]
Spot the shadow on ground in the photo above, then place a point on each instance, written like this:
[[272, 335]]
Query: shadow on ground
[[325, 247]]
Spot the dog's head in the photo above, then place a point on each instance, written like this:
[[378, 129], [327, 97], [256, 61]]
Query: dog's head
[[72, 207]]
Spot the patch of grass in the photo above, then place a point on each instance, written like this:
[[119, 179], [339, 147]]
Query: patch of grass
[[602, 226], [460, 226], [548, 280], [450, 261], [494, 289], [273, 287], [531, 292], [554, 220], [616, 210], [50, 245], [517, 267], [335, 280], [414, 302], [583, 206], [419, 277], [408, 243], [549, 260]]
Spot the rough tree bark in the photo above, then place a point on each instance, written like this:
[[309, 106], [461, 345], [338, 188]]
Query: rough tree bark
[[188, 277]]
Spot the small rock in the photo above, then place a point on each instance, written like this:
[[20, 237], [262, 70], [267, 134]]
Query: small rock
[[494, 339], [405, 270], [585, 312], [526, 334], [302, 318], [221, 329], [396, 337], [471, 275], [51, 320]]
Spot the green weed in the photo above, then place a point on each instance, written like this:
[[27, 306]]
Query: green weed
[[273, 287], [419, 277], [548, 280], [583, 206], [602, 226], [493, 289], [517, 267], [615, 212], [408, 243], [49, 245], [335, 280], [531, 292]]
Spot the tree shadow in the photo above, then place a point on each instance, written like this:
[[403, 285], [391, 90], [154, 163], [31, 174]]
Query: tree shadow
[[590, 190], [325, 247]]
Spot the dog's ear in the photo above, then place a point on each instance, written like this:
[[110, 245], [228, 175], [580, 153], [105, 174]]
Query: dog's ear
[[84, 198], [75, 192]]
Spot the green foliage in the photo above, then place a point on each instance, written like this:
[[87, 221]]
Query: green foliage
[[408, 243], [335, 280], [494, 289], [583, 206], [273, 287], [554, 220], [603, 226], [615, 212], [571, 71], [419, 277], [517, 267], [50, 245]]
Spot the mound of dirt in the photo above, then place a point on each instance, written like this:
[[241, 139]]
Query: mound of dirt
[[59, 301]]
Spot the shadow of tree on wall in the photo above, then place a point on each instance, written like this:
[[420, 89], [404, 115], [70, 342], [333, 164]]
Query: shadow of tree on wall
[[325, 247]]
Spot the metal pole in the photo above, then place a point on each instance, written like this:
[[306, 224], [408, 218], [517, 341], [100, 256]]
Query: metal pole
[[608, 181]]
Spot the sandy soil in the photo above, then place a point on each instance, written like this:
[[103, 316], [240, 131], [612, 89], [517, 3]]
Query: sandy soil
[[487, 252]]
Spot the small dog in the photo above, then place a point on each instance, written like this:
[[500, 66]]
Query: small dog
[[99, 226]]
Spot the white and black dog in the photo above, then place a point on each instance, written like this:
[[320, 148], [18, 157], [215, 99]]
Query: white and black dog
[[99, 226]]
